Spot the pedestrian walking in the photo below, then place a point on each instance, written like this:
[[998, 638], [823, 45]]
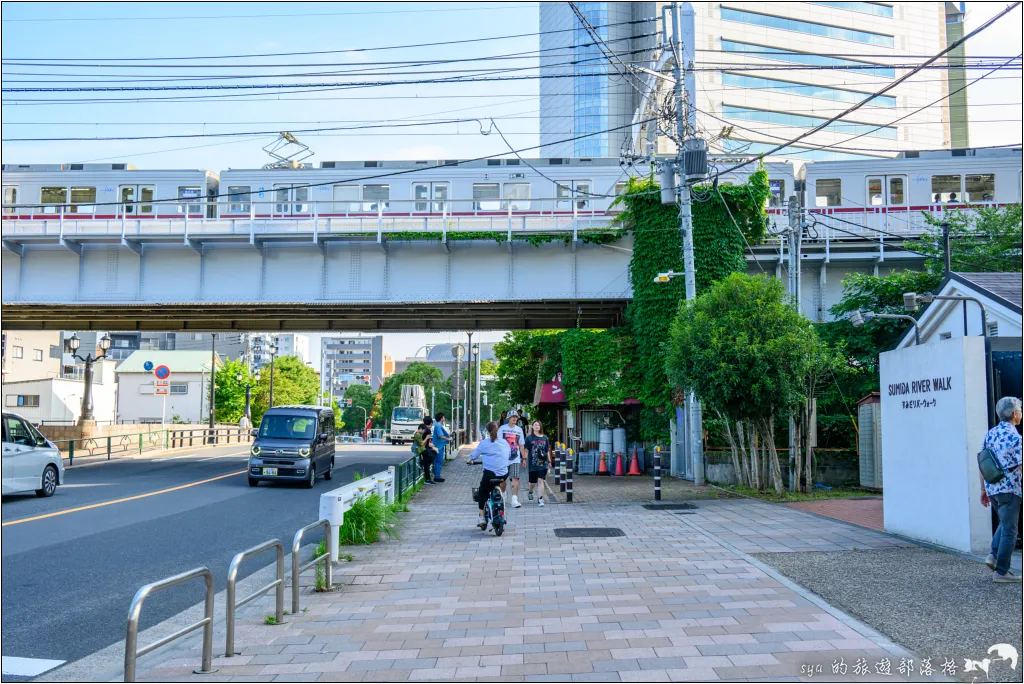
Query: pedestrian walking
[[424, 449], [513, 435], [538, 450], [1004, 442], [494, 453], [440, 438]]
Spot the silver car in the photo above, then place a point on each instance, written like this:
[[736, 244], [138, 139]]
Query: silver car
[[30, 461]]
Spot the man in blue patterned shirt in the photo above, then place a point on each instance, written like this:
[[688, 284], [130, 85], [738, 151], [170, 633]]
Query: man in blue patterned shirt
[[1005, 495]]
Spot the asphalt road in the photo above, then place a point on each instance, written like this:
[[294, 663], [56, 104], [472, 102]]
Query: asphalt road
[[67, 579]]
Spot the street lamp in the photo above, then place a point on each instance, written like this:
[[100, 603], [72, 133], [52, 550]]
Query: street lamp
[[248, 392], [859, 318], [666, 276], [73, 344], [272, 350], [476, 396]]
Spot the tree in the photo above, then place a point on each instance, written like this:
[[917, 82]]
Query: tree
[[362, 397], [229, 393], [985, 239], [294, 383], [518, 365], [746, 353]]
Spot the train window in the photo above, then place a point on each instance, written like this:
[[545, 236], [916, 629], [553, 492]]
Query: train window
[[83, 200], [946, 189], [897, 190], [620, 188], [52, 196], [346, 199], [10, 198], [239, 197], [376, 197], [778, 190], [517, 196], [482, 192], [980, 187], [875, 196], [423, 193], [828, 192], [191, 195]]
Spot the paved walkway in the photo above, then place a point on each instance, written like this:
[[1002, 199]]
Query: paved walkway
[[865, 512], [677, 597]]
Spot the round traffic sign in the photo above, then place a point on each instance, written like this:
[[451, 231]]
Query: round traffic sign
[[148, 365], [162, 372]]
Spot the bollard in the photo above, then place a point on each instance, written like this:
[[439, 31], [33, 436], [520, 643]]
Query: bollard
[[108, 448], [558, 468], [562, 472], [568, 477], [657, 473]]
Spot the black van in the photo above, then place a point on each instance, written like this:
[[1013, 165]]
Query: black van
[[294, 444]]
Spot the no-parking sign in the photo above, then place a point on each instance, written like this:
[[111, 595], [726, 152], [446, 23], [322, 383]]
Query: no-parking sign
[[162, 372]]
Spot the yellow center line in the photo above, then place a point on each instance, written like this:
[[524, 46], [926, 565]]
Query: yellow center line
[[117, 501]]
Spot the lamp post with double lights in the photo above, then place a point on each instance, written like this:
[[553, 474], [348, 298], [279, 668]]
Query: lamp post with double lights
[[248, 392], [475, 430], [272, 350], [73, 344]]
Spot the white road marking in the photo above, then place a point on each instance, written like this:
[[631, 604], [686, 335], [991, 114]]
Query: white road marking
[[209, 458], [214, 458], [95, 484], [27, 667]]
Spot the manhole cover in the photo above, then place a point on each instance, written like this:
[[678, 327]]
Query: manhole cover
[[684, 512], [589, 532], [670, 507]]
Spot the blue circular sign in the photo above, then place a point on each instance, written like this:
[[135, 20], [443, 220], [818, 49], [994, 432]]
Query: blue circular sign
[[148, 365], [162, 372]]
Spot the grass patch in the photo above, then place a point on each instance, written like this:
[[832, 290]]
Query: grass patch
[[788, 496], [270, 620], [320, 578], [348, 557], [367, 520]]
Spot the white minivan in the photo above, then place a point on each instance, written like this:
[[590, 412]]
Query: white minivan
[[30, 462]]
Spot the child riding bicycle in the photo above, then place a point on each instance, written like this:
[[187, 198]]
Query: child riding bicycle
[[495, 453]]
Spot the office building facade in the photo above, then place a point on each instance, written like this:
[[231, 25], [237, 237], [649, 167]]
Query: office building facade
[[351, 360], [767, 72]]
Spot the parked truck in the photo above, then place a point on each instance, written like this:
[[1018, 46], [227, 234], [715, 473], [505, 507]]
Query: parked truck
[[407, 416]]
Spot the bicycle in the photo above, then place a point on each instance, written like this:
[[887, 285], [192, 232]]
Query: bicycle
[[494, 509]]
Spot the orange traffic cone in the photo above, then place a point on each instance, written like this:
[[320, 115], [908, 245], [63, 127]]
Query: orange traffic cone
[[602, 469], [634, 464], [619, 470]]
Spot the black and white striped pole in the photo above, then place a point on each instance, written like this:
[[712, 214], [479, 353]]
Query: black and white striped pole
[[558, 466], [568, 477], [657, 473]]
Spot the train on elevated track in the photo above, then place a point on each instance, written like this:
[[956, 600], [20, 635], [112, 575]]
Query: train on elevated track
[[910, 182]]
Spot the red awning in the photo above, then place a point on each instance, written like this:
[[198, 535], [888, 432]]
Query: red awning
[[551, 392]]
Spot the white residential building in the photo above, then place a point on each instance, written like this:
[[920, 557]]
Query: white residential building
[[58, 400], [190, 383], [770, 71]]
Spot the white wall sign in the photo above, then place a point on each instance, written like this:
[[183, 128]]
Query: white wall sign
[[933, 422]]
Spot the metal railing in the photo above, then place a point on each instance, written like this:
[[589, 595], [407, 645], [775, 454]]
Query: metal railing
[[131, 652], [298, 567], [407, 474], [207, 436], [231, 605]]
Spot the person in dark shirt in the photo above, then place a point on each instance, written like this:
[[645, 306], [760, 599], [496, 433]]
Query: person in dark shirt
[[538, 450]]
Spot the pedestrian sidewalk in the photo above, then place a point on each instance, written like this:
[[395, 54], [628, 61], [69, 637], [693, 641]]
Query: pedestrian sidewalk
[[676, 597]]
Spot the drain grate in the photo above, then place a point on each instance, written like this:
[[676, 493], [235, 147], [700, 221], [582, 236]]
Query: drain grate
[[670, 507], [590, 532]]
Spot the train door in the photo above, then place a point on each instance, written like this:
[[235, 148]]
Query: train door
[[430, 197], [133, 199], [565, 191], [291, 199], [887, 191], [10, 199]]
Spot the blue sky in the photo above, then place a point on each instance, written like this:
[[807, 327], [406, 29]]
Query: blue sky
[[75, 30]]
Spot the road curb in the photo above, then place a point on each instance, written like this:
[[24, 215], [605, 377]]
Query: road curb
[[149, 455]]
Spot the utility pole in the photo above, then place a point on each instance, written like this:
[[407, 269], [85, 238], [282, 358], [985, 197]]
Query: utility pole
[[688, 148], [795, 237], [476, 398], [468, 410], [213, 381]]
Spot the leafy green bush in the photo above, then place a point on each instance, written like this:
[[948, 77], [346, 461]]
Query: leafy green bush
[[368, 518]]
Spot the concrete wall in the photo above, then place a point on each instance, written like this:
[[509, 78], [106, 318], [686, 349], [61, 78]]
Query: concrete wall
[[137, 402], [933, 423]]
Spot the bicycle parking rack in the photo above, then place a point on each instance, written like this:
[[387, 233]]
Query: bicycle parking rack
[[131, 652], [231, 605]]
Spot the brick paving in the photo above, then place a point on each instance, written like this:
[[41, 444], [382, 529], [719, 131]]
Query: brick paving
[[863, 512], [678, 597]]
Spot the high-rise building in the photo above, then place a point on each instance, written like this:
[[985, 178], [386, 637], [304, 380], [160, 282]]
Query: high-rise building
[[351, 360], [765, 72]]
